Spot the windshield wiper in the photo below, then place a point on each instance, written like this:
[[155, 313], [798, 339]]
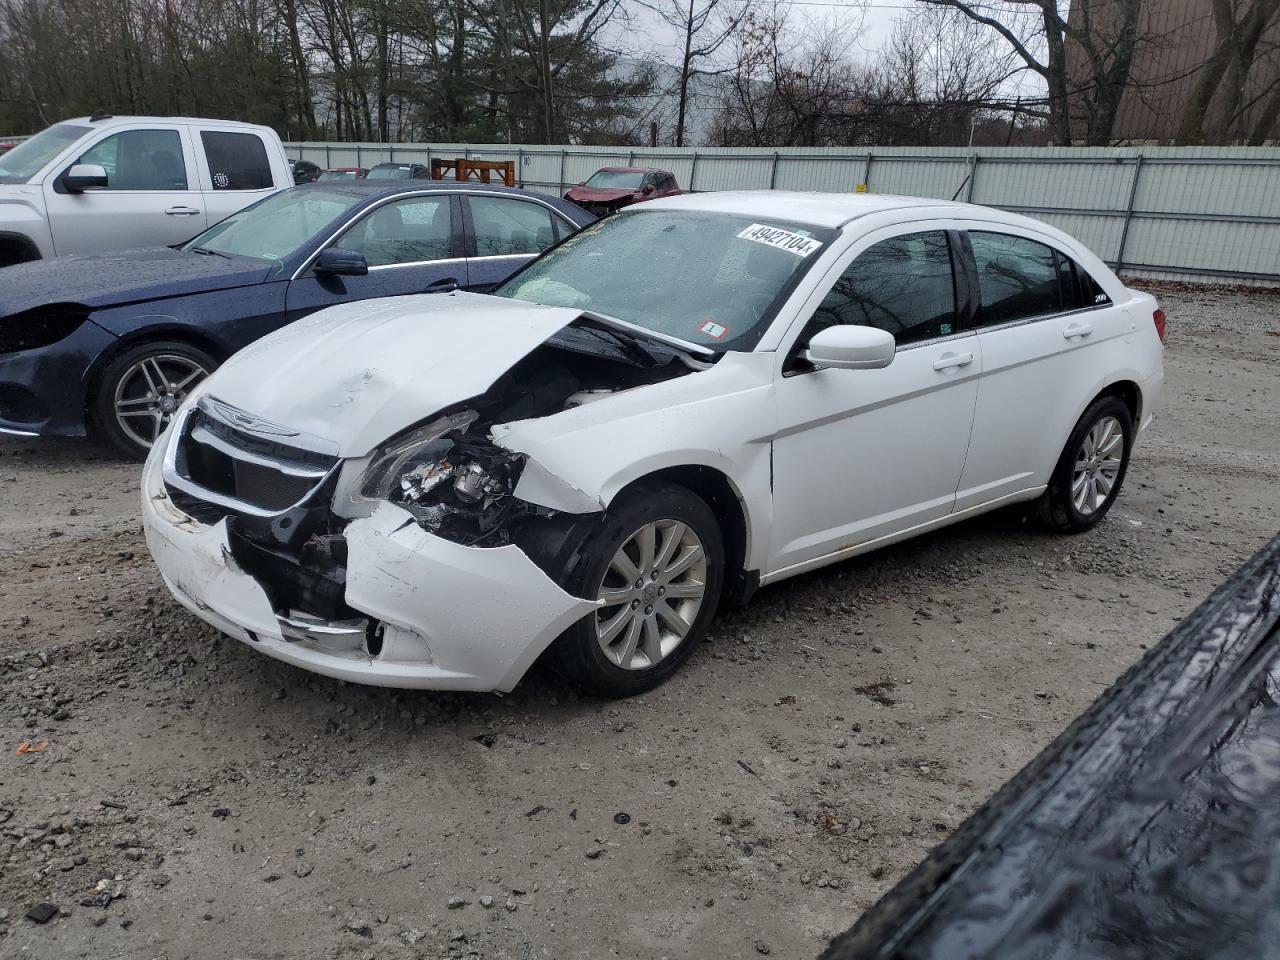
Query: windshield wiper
[[644, 333], [206, 252]]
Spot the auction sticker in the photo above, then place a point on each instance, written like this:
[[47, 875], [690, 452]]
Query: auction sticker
[[716, 331], [795, 243]]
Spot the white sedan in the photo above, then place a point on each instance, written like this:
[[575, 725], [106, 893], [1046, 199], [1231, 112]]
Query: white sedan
[[677, 405]]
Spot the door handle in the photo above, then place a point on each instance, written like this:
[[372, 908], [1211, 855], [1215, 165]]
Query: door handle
[[951, 361], [181, 212], [447, 285], [1077, 330]]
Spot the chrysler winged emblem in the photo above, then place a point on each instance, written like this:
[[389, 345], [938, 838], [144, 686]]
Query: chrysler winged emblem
[[238, 418]]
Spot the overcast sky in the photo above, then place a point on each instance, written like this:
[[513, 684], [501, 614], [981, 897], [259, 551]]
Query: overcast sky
[[648, 37]]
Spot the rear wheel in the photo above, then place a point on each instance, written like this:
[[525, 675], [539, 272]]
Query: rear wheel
[[141, 389], [1087, 479], [656, 564]]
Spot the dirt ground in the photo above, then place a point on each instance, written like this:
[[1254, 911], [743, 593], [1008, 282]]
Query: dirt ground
[[198, 800]]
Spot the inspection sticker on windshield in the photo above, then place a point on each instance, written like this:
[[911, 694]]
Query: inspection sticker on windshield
[[795, 243], [716, 331]]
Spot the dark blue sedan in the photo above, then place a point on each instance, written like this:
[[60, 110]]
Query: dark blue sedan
[[114, 342]]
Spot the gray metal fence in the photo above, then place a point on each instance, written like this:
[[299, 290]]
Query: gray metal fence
[[1187, 213]]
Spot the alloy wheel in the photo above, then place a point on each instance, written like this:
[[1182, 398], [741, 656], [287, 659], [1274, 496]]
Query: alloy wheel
[[650, 594], [1097, 465], [151, 391]]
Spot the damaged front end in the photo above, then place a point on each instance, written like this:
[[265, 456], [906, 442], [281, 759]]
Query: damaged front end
[[382, 569]]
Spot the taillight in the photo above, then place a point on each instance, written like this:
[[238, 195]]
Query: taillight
[[1158, 319]]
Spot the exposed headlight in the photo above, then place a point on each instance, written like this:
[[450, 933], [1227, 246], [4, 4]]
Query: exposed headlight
[[41, 327], [416, 448]]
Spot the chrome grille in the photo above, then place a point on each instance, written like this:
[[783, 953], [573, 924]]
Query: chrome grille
[[230, 459]]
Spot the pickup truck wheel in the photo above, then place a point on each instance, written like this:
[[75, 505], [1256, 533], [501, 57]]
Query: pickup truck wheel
[[140, 390], [13, 251], [656, 564], [1089, 473]]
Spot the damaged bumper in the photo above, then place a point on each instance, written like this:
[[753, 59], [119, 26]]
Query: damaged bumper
[[424, 607]]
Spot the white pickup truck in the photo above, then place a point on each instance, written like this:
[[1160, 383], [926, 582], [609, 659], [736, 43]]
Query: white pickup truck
[[98, 184]]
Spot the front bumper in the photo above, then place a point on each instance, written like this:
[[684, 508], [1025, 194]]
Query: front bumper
[[42, 391], [445, 616]]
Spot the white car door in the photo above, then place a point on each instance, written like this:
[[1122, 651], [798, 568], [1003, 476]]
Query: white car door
[[151, 198], [1040, 321], [234, 170], [864, 454]]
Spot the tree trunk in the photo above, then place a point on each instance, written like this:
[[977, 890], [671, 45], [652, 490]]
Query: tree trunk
[[1056, 76], [684, 77], [544, 68]]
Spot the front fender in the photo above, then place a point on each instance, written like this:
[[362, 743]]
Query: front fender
[[721, 419], [222, 320], [22, 218]]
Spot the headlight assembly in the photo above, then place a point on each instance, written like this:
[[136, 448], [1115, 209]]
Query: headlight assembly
[[417, 448]]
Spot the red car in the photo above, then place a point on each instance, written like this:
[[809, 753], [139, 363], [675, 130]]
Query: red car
[[611, 188], [6, 147]]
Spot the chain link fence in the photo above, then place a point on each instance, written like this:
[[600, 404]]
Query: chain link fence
[[1182, 213]]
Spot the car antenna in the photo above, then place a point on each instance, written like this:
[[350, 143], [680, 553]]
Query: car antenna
[[99, 116]]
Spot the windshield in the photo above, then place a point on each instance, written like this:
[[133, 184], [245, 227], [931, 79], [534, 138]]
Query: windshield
[[26, 159], [713, 279], [616, 180], [274, 228], [389, 173], [338, 175]]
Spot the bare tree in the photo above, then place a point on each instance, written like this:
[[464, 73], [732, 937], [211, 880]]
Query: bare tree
[[1220, 96], [704, 26], [1038, 33]]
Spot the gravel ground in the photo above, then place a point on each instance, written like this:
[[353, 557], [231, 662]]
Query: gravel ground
[[199, 800]]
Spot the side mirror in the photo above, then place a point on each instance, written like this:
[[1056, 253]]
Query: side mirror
[[341, 263], [84, 176], [849, 347]]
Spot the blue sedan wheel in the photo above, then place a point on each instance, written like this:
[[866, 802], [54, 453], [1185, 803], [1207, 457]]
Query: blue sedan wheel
[[143, 388]]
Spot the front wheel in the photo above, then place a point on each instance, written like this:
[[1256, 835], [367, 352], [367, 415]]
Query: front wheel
[[140, 390], [656, 564], [1087, 479]]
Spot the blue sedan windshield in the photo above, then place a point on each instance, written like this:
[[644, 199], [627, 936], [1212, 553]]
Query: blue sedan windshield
[[274, 228]]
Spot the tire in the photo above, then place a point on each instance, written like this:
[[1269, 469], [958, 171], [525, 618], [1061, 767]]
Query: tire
[[149, 381], [658, 649], [1065, 507], [14, 251]]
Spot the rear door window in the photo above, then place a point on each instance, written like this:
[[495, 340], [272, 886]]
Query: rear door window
[[237, 161], [1017, 278], [506, 227], [141, 160]]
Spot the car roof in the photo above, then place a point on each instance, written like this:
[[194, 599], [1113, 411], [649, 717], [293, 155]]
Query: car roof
[[631, 170], [816, 209], [381, 188], [101, 120]]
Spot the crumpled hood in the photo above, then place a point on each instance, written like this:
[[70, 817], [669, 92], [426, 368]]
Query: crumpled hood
[[359, 373], [130, 276], [599, 195]]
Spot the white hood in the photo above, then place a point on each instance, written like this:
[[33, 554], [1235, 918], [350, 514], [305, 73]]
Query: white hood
[[359, 373]]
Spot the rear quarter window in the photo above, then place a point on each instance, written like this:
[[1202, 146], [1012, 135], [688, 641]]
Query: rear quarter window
[[237, 161]]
